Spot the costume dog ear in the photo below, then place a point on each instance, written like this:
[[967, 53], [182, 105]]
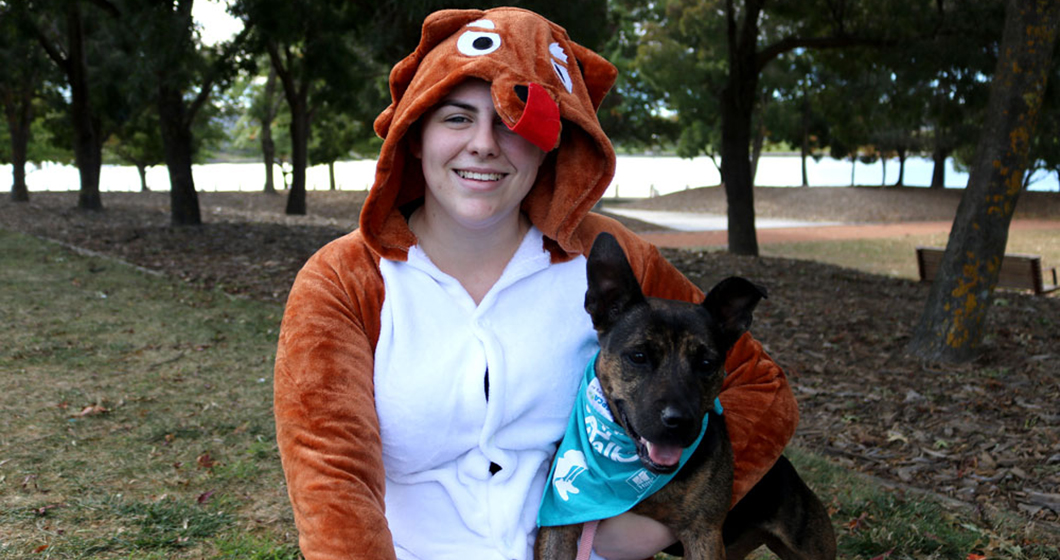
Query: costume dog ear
[[597, 73]]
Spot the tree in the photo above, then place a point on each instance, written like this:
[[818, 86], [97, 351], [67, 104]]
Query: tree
[[265, 109], [66, 32], [1045, 145], [735, 41], [20, 83], [633, 113], [183, 74], [796, 114], [139, 143], [317, 49], [952, 324], [335, 138]]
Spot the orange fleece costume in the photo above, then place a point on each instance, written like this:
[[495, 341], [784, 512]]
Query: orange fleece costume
[[547, 89]]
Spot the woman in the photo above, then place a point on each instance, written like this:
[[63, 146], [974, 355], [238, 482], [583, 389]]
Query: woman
[[428, 361]]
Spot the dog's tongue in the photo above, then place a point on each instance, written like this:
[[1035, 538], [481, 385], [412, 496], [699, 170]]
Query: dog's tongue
[[665, 455]]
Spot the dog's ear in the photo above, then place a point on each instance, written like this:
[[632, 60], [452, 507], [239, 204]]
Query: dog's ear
[[731, 303], [613, 288]]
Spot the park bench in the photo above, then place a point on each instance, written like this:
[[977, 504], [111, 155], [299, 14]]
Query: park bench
[[1017, 270]]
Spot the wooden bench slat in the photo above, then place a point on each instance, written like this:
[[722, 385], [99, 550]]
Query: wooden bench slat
[[1018, 270]]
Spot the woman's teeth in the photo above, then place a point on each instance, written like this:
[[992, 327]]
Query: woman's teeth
[[480, 176]]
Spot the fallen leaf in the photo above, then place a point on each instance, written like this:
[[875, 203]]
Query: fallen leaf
[[855, 524], [205, 461], [205, 497], [40, 549], [976, 557], [895, 435], [92, 411], [884, 555]]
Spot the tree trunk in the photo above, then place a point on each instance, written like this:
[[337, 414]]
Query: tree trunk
[[299, 156], [952, 324], [756, 150], [737, 108], [331, 175], [901, 168], [883, 163], [88, 146], [268, 146], [19, 119], [805, 138], [142, 170], [177, 145], [938, 172]]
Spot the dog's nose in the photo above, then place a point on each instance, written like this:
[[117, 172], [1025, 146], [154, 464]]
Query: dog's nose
[[674, 419]]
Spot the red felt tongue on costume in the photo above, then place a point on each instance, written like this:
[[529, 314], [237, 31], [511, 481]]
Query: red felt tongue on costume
[[540, 121]]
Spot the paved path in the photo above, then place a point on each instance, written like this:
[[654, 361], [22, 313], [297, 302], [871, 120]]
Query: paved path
[[709, 230]]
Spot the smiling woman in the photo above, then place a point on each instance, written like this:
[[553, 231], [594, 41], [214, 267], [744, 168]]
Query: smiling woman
[[428, 361]]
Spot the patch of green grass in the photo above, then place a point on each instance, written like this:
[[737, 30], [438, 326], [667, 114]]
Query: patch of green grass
[[896, 257], [875, 522], [252, 548], [137, 413]]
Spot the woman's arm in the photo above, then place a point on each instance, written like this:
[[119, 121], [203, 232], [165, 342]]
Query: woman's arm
[[326, 424], [631, 537]]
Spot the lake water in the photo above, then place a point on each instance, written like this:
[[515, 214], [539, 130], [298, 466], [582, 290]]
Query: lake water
[[635, 176]]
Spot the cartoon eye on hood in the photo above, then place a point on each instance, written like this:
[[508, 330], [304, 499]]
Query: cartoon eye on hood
[[559, 64], [479, 43]]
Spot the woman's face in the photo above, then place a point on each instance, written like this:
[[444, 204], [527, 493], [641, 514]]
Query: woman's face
[[477, 170]]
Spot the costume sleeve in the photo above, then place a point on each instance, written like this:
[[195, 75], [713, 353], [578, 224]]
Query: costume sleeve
[[760, 409], [326, 424]]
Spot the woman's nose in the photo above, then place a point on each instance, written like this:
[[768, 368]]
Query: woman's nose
[[484, 141]]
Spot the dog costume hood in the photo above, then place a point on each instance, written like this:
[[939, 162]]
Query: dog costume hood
[[545, 87]]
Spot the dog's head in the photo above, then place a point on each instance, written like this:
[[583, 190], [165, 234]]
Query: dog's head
[[661, 362]]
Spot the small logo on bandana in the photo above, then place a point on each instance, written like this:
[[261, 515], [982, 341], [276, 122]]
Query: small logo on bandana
[[641, 481], [568, 467]]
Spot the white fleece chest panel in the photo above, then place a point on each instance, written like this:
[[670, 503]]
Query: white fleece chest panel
[[441, 434]]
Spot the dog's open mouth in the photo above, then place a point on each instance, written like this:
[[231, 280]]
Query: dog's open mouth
[[658, 457]]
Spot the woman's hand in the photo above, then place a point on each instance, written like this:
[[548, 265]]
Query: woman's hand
[[631, 537]]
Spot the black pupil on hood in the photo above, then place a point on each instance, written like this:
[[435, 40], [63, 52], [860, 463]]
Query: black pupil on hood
[[482, 43]]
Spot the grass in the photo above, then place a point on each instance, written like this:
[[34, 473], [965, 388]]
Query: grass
[[896, 256], [137, 424], [137, 414], [873, 522]]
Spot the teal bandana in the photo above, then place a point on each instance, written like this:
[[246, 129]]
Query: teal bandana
[[596, 473]]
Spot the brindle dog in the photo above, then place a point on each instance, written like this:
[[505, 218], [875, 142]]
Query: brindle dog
[[661, 367]]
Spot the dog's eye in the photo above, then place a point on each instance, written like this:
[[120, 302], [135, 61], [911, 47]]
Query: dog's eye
[[637, 358]]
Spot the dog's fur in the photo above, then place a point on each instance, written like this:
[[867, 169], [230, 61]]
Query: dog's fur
[[661, 367]]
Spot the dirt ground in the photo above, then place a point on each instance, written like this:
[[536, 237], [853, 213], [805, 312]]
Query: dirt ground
[[985, 434]]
